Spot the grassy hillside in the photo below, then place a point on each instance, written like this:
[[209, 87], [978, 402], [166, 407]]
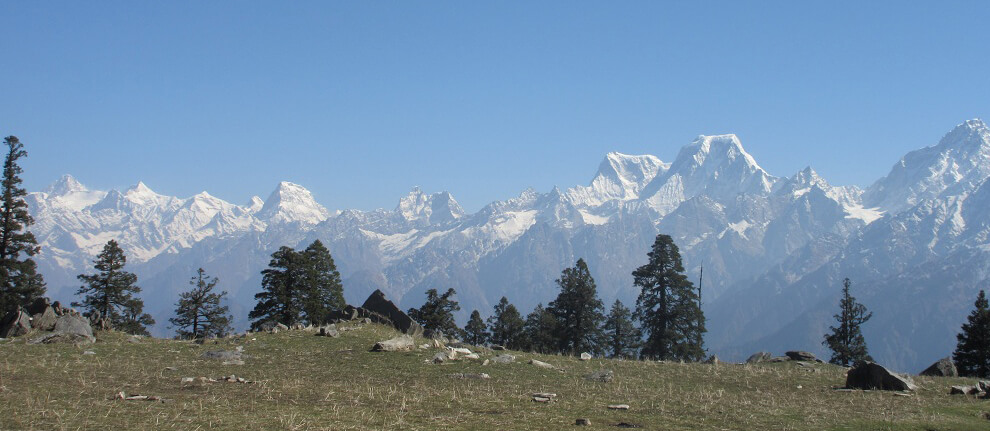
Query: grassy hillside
[[305, 382]]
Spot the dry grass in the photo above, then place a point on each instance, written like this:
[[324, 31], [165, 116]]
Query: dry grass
[[305, 382]]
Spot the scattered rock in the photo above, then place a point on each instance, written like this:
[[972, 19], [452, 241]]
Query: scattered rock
[[582, 422], [479, 376], [759, 357], [401, 343], [224, 355], [376, 303], [797, 355], [869, 375], [603, 376], [504, 358], [586, 356], [618, 406], [942, 368], [542, 364], [15, 324]]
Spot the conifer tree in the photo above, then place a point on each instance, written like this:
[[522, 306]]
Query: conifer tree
[[846, 340], [475, 333], [578, 311], [110, 292], [972, 355], [540, 330], [667, 306], [507, 326], [437, 313], [622, 338], [321, 291], [198, 312], [20, 283], [279, 300]]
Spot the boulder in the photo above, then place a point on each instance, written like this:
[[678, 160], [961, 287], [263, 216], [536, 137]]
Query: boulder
[[759, 357], [45, 320], [329, 331], [797, 355], [542, 364], [963, 390], [603, 376], [69, 328], [377, 303], [942, 368], [401, 343], [15, 324], [869, 375]]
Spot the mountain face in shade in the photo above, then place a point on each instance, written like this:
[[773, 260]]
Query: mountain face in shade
[[774, 249]]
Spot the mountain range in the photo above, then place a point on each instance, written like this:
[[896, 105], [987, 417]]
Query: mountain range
[[774, 249]]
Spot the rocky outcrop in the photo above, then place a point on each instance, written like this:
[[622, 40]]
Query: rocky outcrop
[[45, 320], [942, 368], [378, 304], [69, 328], [869, 375]]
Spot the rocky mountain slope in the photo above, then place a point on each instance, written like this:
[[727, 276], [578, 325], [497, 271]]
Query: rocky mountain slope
[[774, 249]]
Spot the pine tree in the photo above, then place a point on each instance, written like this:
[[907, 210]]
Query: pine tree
[[20, 283], [110, 292], [668, 306], [321, 290], [507, 326], [198, 314], [578, 311], [279, 300], [437, 313], [622, 338], [846, 340], [475, 333], [540, 330], [972, 355]]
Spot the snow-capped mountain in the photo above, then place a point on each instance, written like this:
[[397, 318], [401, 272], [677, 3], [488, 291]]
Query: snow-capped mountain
[[774, 249]]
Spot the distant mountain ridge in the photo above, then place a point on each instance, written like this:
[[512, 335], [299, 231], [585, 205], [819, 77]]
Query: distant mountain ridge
[[774, 248]]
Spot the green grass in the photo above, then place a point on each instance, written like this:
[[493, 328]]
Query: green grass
[[305, 382]]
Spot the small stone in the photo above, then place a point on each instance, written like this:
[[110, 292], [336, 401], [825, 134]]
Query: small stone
[[585, 356], [603, 376], [504, 358], [472, 356], [120, 395], [424, 346], [618, 406], [440, 358], [800, 387], [170, 369], [497, 347], [480, 376], [233, 362], [89, 352], [541, 399], [542, 364], [545, 395], [188, 380], [582, 422], [137, 398]]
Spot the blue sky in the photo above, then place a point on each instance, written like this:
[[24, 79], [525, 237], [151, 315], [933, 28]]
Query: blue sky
[[360, 101]]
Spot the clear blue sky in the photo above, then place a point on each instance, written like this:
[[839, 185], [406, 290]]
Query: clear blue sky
[[360, 101]]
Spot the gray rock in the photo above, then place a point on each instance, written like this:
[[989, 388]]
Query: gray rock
[[329, 331], [401, 343], [797, 355], [618, 407], [869, 375], [603, 376], [504, 358], [759, 357], [942, 368], [440, 358], [224, 355], [15, 324]]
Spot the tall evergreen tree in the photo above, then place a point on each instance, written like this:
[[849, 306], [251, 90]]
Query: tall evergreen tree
[[322, 291], [622, 338], [578, 311], [198, 314], [110, 292], [506, 326], [475, 332], [20, 283], [437, 313], [972, 355], [846, 340], [668, 306], [541, 330], [279, 300]]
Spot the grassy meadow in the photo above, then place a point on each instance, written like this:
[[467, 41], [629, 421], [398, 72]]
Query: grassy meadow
[[306, 382]]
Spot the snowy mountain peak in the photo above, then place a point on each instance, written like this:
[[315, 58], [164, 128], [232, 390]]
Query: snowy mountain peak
[[65, 185], [718, 149], [291, 202], [436, 208], [254, 204], [961, 159], [620, 177]]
